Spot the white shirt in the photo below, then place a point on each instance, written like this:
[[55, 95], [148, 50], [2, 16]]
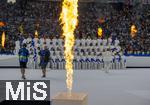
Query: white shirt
[[29, 40], [117, 42], [54, 42], [109, 41], [35, 40], [99, 41], [48, 42], [107, 56], [41, 41], [17, 43], [101, 48], [118, 48], [83, 42], [104, 42], [88, 41], [24, 41]]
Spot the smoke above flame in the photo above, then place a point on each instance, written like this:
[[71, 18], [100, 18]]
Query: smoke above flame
[[69, 21]]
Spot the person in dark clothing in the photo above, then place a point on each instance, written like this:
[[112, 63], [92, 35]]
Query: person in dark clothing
[[23, 59], [44, 59]]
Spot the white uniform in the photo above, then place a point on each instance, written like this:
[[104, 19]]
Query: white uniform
[[29, 40], [99, 41], [123, 61], [104, 42], [54, 40], [118, 48], [107, 58], [48, 42], [17, 46], [25, 41], [88, 42], [101, 48], [109, 41], [60, 41], [94, 42], [42, 41], [35, 41], [31, 60], [83, 42], [117, 42]]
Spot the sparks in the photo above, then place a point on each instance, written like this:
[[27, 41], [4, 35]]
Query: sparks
[[69, 21]]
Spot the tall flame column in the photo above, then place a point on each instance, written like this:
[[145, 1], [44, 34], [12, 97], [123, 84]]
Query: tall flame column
[[69, 22]]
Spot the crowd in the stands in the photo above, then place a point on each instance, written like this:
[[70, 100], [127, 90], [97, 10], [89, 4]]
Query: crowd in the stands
[[24, 17]]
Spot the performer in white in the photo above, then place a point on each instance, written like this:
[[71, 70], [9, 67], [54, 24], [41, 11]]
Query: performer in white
[[83, 42], [117, 42], [17, 47], [36, 41], [48, 42], [123, 60], [107, 58], [25, 41], [60, 43], [104, 42], [42, 41], [99, 41], [109, 41], [101, 47], [29, 39], [88, 40], [31, 60], [54, 40]]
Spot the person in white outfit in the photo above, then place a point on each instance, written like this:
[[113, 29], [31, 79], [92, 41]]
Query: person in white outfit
[[17, 47], [109, 41], [107, 58], [117, 42], [31, 60]]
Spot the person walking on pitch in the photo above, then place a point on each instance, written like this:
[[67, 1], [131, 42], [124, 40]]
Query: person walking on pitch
[[23, 59], [44, 59]]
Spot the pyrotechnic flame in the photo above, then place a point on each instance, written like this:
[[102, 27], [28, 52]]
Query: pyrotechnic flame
[[36, 34], [133, 31], [69, 21], [3, 39], [100, 32]]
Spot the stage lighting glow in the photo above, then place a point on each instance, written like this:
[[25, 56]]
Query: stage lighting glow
[[100, 32], [3, 39], [36, 34], [133, 31], [69, 21]]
